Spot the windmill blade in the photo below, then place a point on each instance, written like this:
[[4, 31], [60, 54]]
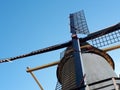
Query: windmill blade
[[59, 46], [78, 23], [102, 32], [104, 37], [40, 51]]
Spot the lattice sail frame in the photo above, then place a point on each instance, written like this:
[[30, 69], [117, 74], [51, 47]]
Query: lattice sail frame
[[78, 23], [107, 39]]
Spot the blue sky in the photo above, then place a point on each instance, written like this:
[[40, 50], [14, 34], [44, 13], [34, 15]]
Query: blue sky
[[28, 25]]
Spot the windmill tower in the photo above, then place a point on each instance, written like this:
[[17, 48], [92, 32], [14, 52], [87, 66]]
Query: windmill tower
[[84, 66]]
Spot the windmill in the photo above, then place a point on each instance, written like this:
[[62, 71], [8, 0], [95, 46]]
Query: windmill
[[83, 58]]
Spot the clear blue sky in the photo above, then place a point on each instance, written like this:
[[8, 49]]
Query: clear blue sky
[[28, 25]]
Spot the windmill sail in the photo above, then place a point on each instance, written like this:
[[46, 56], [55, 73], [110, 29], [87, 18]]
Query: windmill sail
[[39, 51], [112, 29], [105, 37], [78, 23]]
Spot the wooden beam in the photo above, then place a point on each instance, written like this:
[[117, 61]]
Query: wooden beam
[[40, 86], [43, 66], [111, 48]]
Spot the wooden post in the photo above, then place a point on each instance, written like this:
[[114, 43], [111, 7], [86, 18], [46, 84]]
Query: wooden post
[[115, 85], [36, 80], [42, 67]]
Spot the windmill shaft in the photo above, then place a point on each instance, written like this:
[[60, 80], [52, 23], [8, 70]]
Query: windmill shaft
[[51, 48]]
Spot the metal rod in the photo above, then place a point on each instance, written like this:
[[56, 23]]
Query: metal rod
[[111, 48], [36, 80], [42, 67]]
